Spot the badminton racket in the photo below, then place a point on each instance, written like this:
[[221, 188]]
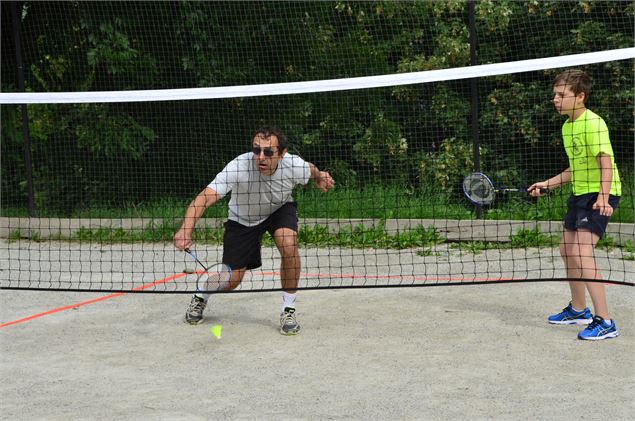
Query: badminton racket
[[214, 278], [480, 190]]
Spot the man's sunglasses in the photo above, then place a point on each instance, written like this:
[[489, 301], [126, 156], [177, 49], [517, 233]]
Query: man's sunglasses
[[267, 151]]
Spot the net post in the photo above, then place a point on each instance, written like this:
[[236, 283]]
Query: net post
[[25, 115], [474, 98]]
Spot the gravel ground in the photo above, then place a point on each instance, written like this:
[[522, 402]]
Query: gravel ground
[[439, 353]]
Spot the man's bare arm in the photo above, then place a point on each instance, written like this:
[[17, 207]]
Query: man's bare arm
[[205, 199]]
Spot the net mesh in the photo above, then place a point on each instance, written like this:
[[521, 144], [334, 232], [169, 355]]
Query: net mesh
[[132, 111]]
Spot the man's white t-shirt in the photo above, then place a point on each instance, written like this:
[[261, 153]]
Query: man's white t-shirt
[[254, 196]]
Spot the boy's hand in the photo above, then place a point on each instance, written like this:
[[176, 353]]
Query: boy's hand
[[538, 189], [602, 205]]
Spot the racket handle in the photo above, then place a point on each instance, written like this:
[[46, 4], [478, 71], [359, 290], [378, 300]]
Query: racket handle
[[188, 251]]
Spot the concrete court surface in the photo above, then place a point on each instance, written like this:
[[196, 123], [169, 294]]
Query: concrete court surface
[[438, 353]]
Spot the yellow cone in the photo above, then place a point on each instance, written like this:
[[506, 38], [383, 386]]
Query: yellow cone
[[216, 330]]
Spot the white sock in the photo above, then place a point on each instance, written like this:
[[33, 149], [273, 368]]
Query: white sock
[[288, 300], [203, 296]]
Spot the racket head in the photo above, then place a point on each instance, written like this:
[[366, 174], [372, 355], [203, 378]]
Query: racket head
[[478, 189], [215, 279]]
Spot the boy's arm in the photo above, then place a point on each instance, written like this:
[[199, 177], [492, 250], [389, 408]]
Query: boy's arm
[[205, 199], [606, 178], [322, 179], [556, 181]]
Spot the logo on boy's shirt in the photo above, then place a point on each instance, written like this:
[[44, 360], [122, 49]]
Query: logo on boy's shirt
[[576, 146]]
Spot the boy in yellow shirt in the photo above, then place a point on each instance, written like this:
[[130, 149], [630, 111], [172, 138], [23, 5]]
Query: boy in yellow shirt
[[596, 193]]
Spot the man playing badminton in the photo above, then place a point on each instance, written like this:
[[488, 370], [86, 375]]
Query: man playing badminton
[[261, 184], [596, 193]]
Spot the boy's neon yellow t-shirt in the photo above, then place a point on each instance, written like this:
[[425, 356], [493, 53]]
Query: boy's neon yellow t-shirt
[[584, 139]]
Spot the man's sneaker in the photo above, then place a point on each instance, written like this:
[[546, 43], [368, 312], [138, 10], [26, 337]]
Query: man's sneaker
[[288, 324], [599, 329], [568, 316], [194, 313]]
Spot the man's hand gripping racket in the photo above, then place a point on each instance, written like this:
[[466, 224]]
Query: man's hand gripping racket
[[214, 278]]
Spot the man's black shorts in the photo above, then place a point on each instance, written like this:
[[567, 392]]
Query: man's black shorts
[[580, 214], [241, 244]]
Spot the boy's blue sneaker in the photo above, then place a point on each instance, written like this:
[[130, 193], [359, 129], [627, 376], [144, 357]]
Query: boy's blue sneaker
[[599, 329], [568, 316]]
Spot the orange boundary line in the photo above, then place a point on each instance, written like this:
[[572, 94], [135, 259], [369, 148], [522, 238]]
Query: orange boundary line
[[307, 275], [173, 277], [96, 300]]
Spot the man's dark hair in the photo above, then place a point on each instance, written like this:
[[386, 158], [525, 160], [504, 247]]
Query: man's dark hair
[[268, 131]]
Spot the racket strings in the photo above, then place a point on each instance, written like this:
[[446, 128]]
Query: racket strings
[[478, 189], [214, 279]]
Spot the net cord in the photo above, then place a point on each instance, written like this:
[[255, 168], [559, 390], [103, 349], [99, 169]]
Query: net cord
[[366, 82]]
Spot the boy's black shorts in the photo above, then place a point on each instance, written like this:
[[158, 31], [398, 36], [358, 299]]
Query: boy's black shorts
[[241, 244], [581, 215]]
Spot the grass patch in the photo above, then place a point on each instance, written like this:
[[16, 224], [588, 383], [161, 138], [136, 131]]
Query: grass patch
[[317, 235], [359, 237], [376, 202], [526, 238], [523, 238], [606, 242], [151, 233], [15, 235], [369, 237], [475, 247], [628, 250]]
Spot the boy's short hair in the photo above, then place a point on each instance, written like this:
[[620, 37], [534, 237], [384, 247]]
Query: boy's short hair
[[268, 131], [577, 80]]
